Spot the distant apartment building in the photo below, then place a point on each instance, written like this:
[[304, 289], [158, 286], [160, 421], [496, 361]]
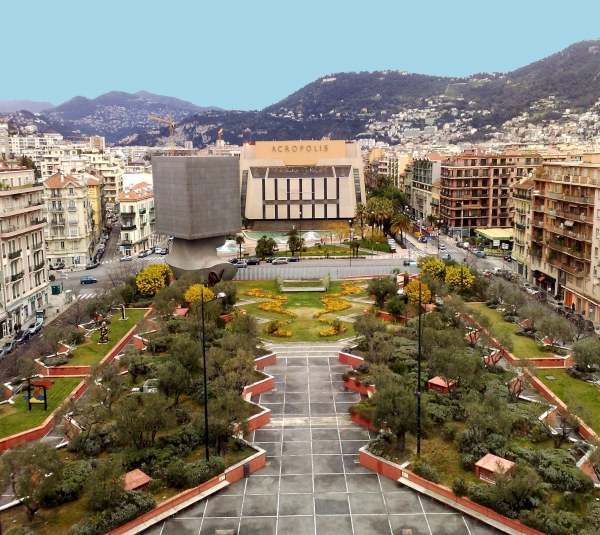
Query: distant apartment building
[[425, 173], [4, 142], [97, 143], [397, 163], [71, 230], [60, 159], [111, 169], [24, 275], [137, 219], [565, 234], [476, 189], [522, 197]]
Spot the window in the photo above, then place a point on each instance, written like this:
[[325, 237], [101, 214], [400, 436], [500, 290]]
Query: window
[[62, 244], [70, 191]]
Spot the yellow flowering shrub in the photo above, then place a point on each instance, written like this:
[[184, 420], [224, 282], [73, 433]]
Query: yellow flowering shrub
[[274, 328], [276, 305], [196, 292], [332, 304], [337, 327]]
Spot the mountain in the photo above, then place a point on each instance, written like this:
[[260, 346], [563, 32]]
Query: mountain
[[10, 106], [378, 104], [117, 114]]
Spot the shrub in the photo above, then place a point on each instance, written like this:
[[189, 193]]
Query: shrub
[[460, 487], [427, 471], [449, 431], [467, 462], [561, 523], [20, 530]]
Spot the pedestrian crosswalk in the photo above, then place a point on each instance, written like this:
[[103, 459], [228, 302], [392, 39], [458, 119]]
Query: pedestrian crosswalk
[[152, 257], [85, 296]]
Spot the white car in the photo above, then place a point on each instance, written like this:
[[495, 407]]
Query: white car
[[442, 247], [279, 260], [126, 258]]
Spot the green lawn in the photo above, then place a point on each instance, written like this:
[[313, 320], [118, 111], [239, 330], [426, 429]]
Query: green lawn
[[304, 327], [328, 249], [16, 418], [523, 347], [575, 392], [92, 353]]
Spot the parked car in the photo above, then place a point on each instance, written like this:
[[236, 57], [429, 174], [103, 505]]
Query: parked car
[[92, 265], [126, 258], [270, 259], [22, 337], [253, 261], [59, 265], [144, 254], [233, 260], [508, 258], [446, 256], [88, 280], [410, 263], [442, 247], [163, 251], [241, 264], [279, 260], [294, 259], [8, 347], [35, 328], [480, 254]]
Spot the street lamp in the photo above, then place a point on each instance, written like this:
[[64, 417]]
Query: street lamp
[[439, 237], [300, 227], [351, 240], [220, 295], [418, 392], [372, 229]]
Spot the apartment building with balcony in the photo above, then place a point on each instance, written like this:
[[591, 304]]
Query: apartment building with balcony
[[137, 219], [23, 276], [476, 189], [71, 232], [522, 196], [565, 234], [111, 170], [425, 173]]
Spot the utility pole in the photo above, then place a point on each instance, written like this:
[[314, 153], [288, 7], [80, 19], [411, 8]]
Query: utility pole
[[418, 392]]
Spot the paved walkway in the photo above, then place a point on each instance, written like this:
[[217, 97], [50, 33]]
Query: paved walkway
[[312, 483]]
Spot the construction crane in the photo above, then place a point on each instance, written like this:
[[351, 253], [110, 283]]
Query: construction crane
[[171, 124]]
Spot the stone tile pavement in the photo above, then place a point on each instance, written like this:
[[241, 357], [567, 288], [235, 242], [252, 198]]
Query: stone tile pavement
[[312, 483]]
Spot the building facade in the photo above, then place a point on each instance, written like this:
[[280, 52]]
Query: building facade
[[70, 233], [425, 173], [305, 183], [137, 219], [476, 189], [24, 277], [565, 237], [522, 195]]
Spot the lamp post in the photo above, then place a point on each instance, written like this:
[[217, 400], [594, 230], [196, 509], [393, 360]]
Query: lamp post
[[439, 237], [300, 229], [418, 392], [220, 295], [351, 240], [372, 229]]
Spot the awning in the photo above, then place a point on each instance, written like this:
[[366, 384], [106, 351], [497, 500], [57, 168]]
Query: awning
[[542, 278], [14, 308]]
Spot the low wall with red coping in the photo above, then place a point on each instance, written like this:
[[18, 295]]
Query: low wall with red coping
[[364, 423], [350, 360], [390, 317], [232, 474], [259, 387], [351, 384], [258, 420], [266, 360], [393, 471]]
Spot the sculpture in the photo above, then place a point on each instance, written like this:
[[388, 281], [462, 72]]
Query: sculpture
[[104, 330]]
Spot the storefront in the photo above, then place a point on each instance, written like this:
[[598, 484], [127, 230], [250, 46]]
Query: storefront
[[582, 305], [544, 282]]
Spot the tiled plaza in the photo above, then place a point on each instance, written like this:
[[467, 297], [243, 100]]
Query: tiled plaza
[[313, 483]]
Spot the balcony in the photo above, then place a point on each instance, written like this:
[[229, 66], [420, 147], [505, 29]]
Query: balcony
[[59, 223], [128, 227], [571, 216], [39, 266], [127, 214], [17, 276], [37, 220], [7, 188], [538, 223], [73, 221], [582, 199], [152, 209], [36, 246], [520, 227], [14, 254], [56, 209], [142, 211], [568, 250], [570, 233], [538, 208], [72, 208], [126, 242], [143, 224], [503, 214]]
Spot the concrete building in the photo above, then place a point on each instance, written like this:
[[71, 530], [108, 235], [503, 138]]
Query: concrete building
[[425, 172], [24, 275], [197, 201], [522, 196], [97, 143], [71, 231], [111, 169], [4, 141], [302, 183], [138, 219], [565, 237], [476, 187]]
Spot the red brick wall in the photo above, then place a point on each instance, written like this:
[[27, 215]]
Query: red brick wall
[[259, 387], [350, 384], [258, 420], [358, 420], [351, 360], [267, 360]]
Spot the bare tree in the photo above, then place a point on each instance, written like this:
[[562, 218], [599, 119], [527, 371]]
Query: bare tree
[[123, 271], [76, 314]]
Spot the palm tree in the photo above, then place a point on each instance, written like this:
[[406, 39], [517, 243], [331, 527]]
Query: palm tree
[[400, 224], [239, 239], [431, 219], [360, 214]]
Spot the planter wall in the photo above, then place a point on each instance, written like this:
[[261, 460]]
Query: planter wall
[[259, 387], [266, 360], [350, 360], [444, 494], [364, 423], [350, 384]]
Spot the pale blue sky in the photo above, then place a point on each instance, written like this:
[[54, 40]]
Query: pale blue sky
[[250, 54]]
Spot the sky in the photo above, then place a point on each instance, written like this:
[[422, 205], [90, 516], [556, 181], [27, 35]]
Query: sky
[[250, 54]]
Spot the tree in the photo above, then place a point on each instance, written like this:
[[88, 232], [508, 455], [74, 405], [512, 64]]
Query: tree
[[134, 362], [556, 328], [360, 214], [167, 300], [105, 384], [433, 267], [197, 292], [239, 240], [140, 417], [382, 288], [395, 306], [369, 324], [173, 380], [558, 426], [396, 407], [295, 241], [341, 230], [76, 314], [401, 223], [105, 488], [153, 279], [264, 247], [32, 472], [416, 287], [459, 277], [587, 354], [534, 313], [53, 340]]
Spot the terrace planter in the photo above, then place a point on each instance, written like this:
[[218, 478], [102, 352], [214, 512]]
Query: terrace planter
[[350, 360], [358, 386], [357, 419]]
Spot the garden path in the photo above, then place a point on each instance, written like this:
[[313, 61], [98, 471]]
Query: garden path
[[312, 483]]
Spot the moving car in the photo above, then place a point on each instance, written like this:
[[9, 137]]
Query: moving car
[[35, 328], [144, 253], [270, 259], [241, 264], [253, 261], [410, 263], [279, 260], [88, 280], [294, 259], [126, 258], [446, 256], [22, 337], [480, 254], [92, 265], [442, 247], [507, 258]]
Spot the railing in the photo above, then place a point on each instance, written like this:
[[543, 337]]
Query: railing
[[127, 214], [128, 227], [570, 233], [538, 208], [143, 223], [520, 227], [72, 208], [39, 266], [17, 276], [583, 199], [14, 254], [572, 216], [152, 209], [38, 220], [126, 242], [60, 223], [6, 187], [142, 211], [538, 223], [73, 221], [567, 250], [36, 246], [503, 214], [56, 209]]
